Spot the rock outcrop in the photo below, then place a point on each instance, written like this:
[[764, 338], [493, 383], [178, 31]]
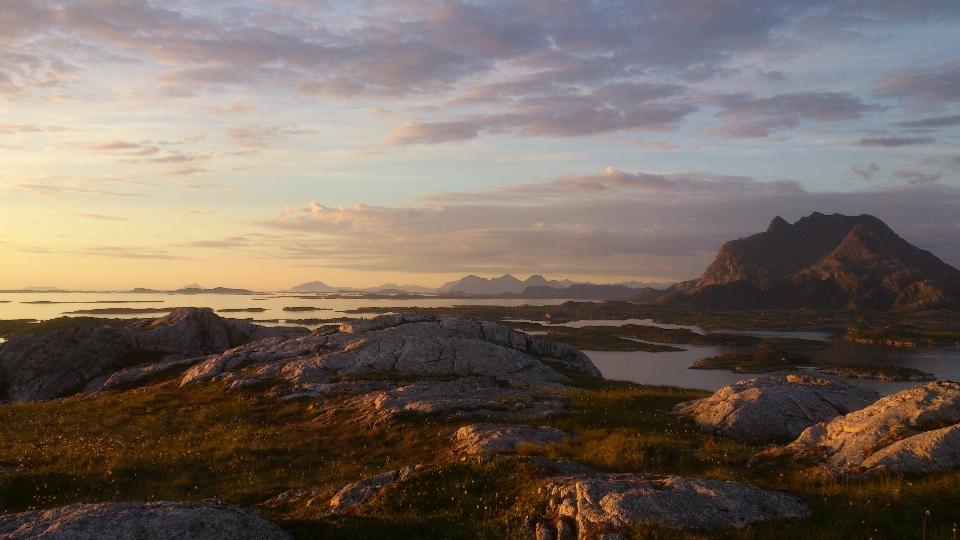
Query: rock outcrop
[[361, 492], [140, 521], [407, 344], [65, 362], [823, 262], [775, 408], [479, 439], [470, 396], [586, 506], [915, 430], [348, 496]]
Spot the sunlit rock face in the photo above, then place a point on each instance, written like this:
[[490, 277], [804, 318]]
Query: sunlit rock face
[[916, 430], [774, 408], [412, 344]]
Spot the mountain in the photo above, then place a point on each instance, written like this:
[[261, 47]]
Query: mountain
[[581, 291], [501, 285], [386, 288], [313, 286], [822, 262]]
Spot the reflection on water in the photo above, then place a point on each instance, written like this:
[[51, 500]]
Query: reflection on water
[[671, 368]]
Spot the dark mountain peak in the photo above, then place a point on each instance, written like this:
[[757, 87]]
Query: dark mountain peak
[[828, 262], [778, 224]]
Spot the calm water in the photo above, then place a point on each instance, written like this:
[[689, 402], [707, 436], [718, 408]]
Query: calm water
[[665, 368], [50, 305]]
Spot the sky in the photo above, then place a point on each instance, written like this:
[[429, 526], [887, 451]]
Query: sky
[[263, 144]]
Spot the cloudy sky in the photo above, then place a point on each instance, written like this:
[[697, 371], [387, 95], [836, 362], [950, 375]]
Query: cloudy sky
[[263, 144]]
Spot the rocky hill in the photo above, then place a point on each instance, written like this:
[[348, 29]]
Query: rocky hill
[[823, 262]]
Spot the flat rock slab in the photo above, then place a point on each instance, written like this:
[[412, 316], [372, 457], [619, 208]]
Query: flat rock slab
[[140, 521], [910, 431], [409, 344], [589, 505], [470, 396], [478, 439], [774, 408]]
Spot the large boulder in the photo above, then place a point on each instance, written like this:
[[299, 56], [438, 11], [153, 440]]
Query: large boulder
[[775, 408], [140, 521], [911, 431], [590, 504], [479, 439], [408, 344], [62, 363]]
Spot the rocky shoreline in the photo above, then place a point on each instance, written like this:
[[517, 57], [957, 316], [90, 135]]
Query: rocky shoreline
[[380, 371]]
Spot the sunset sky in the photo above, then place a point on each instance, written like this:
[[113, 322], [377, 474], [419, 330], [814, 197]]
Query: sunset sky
[[263, 144]]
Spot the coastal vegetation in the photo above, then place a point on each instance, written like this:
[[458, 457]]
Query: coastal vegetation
[[164, 442]]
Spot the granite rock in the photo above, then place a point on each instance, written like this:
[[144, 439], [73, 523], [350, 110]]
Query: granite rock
[[479, 439], [408, 344], [140, 521], [595, 504], [912, 430], [774, 408]]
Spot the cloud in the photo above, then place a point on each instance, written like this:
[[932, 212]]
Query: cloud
[[258, 136], [611, 108], [611, 223], [60, 187], [939, 83], [183, 171], [111, 146], [18, 128], [99, 217], [938, 122], [748, 116], [893, 142], [917, 178], [867, 172], [435, 132], [128, 252], [225, 243], [521, 58]]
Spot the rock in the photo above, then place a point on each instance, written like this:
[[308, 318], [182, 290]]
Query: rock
[[137, 375], [62, 363], [140, 521], [407, 344], [607, 501], [774, 408], [471, 396], [481, 439], [360, 492], [930, 451], [899, 433]]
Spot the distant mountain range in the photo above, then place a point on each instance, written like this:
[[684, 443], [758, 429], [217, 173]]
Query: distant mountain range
[[386, 288], [501, 285], [822, 262], [504, 286]]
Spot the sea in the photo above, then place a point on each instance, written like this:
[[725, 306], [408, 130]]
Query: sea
[[663, 368]]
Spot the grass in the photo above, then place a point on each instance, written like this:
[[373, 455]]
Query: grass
[[762, 361], [169, 443]]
